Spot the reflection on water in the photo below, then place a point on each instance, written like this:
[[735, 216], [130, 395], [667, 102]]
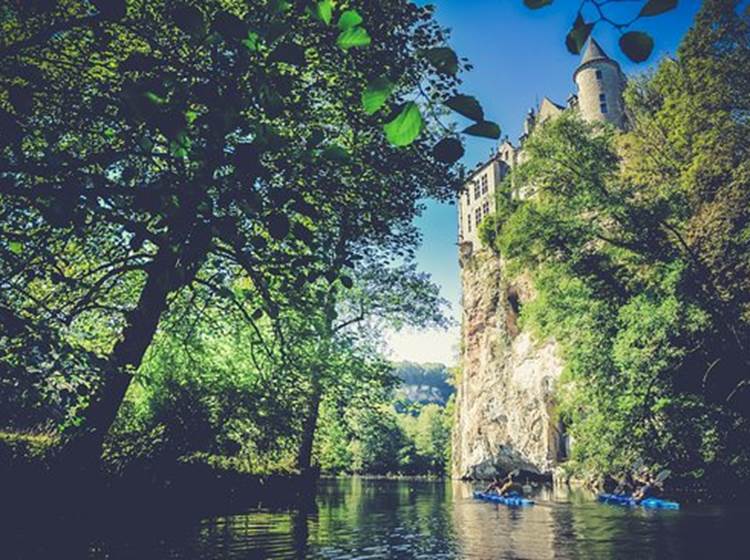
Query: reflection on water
[[354, 518]]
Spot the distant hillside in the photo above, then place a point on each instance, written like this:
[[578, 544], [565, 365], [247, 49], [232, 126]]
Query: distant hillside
[[423, 383]]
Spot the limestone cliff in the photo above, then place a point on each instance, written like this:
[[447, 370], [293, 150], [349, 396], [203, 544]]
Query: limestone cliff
[[505, 399]]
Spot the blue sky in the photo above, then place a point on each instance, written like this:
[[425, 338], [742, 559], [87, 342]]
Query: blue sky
[[519, 56]]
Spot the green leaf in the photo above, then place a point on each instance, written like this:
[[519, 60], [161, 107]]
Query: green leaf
[[155, 98], [656, 7], [189, 19], [324, 11], [536, 4], [349, 20], [467, 106], [251, 43], [15, 247], [405, 128], [443, 59], [448, 150], [486, 129], [356, 37], [111, 9], [637, 45], [578, 35], [280, 6], [376, 94], [291, 53], [278, 226]]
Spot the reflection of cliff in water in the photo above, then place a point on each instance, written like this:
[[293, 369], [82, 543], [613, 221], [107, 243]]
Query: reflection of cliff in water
[[498, 531]]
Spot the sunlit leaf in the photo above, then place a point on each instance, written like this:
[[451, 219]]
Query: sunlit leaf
[[251, 42], [324, 11], [637, 45], [355, 37], [16, 247], [155, 98], [467, 106], [349, 20], [376, 94], [405, 128], [486, 129]]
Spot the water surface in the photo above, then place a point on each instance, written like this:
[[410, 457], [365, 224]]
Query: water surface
[[362, 519]]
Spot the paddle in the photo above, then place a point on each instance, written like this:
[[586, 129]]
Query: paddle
[[662, 476]]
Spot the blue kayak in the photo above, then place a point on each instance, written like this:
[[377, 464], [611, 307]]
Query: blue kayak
[[512, 500], [622, 500]]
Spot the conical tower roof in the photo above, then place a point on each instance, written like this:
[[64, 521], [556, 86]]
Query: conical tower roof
[[593, 51]]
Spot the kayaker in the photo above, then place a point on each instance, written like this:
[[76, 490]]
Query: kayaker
[[510, 487], [649, 487], [625, 485], [494, 486]]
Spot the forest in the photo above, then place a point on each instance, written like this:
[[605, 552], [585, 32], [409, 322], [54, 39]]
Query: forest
[[206, 224]]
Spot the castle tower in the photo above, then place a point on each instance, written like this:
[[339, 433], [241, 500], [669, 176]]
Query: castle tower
[[600, 85]]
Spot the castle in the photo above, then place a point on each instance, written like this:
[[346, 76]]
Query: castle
[[505, 406], [600, 84]]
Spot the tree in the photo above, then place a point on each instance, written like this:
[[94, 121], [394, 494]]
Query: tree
[[148, 146]]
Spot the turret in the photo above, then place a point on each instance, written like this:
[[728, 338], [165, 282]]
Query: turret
[[600, 85]]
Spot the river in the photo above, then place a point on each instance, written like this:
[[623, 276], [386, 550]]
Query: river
[[362, 519]]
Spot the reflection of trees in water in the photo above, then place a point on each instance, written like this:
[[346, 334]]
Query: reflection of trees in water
[[497, 531], [381, 517]]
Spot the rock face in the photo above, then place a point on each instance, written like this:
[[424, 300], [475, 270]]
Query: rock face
[[505, 399]]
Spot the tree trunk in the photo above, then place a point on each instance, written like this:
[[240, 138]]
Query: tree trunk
[[304, 457], [169, 271]]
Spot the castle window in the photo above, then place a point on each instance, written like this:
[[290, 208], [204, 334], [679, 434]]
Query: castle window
[[602, 97], [468, 196], [484, 184], [598, 74], [468, 224], [603, 108], [478, 216], [477, 193]]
